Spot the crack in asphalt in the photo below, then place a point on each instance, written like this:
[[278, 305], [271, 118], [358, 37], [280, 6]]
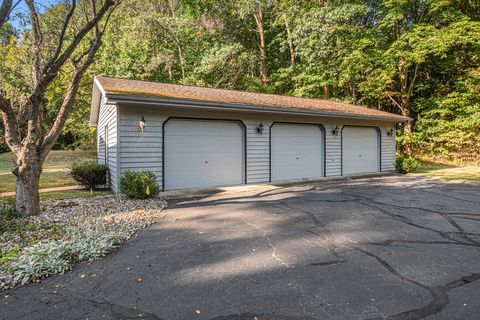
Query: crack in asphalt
[[261, 316], [265, 236], [439, 293], [121, 312]]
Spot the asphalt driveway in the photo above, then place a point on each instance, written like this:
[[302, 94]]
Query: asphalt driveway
[[390, 247]]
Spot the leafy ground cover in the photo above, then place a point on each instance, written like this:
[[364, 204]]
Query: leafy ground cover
[[466, 174], [55, 170], [67, 231]]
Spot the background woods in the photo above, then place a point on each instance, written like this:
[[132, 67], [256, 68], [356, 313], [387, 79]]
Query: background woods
[[420, 58]]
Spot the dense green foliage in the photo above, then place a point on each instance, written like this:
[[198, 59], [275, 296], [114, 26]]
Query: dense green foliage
[[404, 164], [89, 174], [139, 184], [420, 58]]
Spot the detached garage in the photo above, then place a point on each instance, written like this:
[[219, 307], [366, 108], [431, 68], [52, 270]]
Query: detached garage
[[195, 137]]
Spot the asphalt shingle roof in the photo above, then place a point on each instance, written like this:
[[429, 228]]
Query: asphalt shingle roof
[[233, 97]]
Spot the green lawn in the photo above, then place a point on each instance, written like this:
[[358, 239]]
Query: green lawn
[[64, 194], [55, 169], [466, 174]]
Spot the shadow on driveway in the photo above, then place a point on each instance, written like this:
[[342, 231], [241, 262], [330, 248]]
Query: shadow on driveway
[[379, 248]]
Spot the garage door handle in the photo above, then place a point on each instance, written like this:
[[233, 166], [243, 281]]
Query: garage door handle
[[297, 158], [206, 161]]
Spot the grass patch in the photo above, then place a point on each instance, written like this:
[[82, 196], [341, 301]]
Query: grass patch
[[64, 194], [55, 169], [70, 194], [465, 174]]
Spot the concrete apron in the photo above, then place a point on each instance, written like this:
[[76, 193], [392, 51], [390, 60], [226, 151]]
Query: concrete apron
[[197, 192]]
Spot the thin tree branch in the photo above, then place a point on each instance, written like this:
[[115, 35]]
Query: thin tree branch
[[412, 83], [66, 22], [393, 100], [10, 124], [107, 19]]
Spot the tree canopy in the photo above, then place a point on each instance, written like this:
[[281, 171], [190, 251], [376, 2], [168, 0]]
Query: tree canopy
[[420, 58]]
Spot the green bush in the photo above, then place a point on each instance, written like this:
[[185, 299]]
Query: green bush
[[405, 164], [139, 184], [89, 174]]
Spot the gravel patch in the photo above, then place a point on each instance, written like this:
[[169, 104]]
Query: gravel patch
[[72, 221]]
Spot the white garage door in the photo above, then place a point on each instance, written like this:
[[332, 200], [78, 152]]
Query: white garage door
[[203, 153], [360, 150], [297, 151]]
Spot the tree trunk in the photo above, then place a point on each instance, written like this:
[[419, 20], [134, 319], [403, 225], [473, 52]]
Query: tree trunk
[[261, 45], [27, 200], [177, 40], [405, 104], [326, 91], [290, 41]]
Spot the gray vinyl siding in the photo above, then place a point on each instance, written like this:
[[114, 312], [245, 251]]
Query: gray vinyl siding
[[141, 151], [144, 150], [258, 152], [388, 149], [333, 154], [108, 117]]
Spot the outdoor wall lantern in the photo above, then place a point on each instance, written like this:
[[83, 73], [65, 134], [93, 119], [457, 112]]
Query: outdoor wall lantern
[[390, 132], [260, 128], [142, 124], [336, 131]]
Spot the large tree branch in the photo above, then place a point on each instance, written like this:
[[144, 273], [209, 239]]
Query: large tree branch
[[10, 124], [6, 9], [98, 34], [37, 42], [68, 100], [52, 67], [66, 22]]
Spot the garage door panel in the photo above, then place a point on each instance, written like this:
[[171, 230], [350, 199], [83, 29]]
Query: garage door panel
[[203, 153], [297, 151], [360, 150]]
